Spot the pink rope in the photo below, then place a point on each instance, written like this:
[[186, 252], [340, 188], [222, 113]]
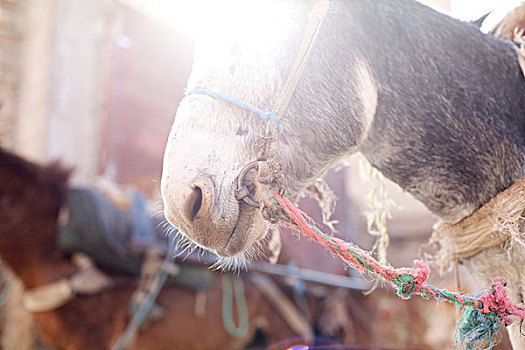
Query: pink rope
[[493, 301], [496, 300], [343, 250]]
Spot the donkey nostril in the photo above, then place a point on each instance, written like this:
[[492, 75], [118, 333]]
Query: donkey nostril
[[194, 203]]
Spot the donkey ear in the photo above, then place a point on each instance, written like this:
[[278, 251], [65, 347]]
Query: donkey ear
[[479, 22]]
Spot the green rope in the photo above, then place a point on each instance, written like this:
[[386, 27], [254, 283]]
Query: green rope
[[405, 285], [479, 326], [227, 306]]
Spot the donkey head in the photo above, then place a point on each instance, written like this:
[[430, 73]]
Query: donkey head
[[212, 139]]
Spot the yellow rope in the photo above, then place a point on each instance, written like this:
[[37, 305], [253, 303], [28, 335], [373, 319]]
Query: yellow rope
[[379, 208]]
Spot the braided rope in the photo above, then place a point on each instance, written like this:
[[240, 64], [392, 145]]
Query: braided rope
[[477, 329]]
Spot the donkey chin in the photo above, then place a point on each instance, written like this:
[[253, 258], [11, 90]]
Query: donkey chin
[[245, 236]]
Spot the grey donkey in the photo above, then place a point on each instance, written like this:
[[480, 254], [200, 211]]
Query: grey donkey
[[433, 103]]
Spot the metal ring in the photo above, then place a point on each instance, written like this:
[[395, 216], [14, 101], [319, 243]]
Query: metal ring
[[241, 192]]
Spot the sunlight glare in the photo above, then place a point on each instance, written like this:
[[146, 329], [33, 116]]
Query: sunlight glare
[[261, 22]]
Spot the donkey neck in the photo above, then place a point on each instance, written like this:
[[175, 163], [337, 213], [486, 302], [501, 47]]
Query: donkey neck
[[449, 123]]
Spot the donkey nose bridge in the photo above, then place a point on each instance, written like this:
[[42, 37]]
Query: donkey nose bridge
[[197, 201]]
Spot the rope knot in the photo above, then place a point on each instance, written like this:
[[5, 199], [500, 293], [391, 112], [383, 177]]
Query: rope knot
[[266, 115], [406, 286], [271, 212], [410, 281]]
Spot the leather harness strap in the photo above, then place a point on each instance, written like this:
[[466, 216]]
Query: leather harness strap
[[316, 18]]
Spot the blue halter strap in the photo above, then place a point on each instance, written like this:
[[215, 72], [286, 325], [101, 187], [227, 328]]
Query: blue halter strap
[[263, 114]]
